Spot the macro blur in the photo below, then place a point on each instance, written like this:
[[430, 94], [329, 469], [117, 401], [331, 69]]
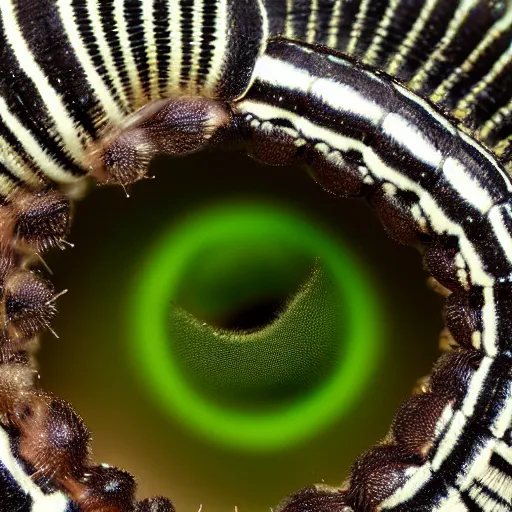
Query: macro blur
[[232, 332]]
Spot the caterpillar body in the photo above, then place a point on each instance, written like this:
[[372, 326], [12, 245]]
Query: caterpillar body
[[405, 102]]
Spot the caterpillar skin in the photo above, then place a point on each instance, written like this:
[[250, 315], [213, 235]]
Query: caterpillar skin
[[405, 102]]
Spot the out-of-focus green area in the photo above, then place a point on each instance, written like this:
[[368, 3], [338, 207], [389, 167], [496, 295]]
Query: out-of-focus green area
[[262, 386], [90, 363]]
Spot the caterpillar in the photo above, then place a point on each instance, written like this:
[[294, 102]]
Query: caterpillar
[[405, 102]]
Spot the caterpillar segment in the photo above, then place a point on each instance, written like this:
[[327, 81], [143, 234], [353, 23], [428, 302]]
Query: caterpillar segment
[[405, 103]]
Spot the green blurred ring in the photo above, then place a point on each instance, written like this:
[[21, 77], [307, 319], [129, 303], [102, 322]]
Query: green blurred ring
[[150, 339]]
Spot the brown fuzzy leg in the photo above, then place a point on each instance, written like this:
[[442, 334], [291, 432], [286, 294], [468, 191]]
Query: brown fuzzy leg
[[174, 127]]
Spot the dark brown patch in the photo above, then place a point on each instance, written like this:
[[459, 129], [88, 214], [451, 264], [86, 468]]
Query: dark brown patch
[[394, 209], [462, 315], [377, 474], [156, 504], [337, 173], [312, 499], [175, 127], [42, 221], [414, 425], [28, 304], [107, 489]]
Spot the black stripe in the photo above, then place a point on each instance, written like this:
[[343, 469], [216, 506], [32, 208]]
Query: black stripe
[[90, 42], [187, 40], [208, 37], [26, 104], [494, 96], [478, 22], [370, 23], [427, 40], [299, 17], [12, 496], [428, 497], [500, 463], [490, 494], [466, 81], [345, 22], [276, 12], [243, 48], [24, 158], [43, 32], [324, 16], [106, 10], [163, 43], [135, 27], [401, 23], [470, 503]]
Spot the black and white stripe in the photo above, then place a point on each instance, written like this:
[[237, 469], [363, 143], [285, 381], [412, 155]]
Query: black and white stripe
[[421, 87], [461, 191], [19, 493]]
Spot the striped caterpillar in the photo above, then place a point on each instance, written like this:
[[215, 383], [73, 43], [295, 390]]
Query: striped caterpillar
[[405, 102]]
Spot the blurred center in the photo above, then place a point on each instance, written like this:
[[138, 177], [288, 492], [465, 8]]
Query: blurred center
[[262, 316]]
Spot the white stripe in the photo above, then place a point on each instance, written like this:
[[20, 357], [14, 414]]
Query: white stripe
[[176, 56], [130, 66], [289, 31], [332, 40], [457, 22], [381, 33], [346, 99], [427, 107], [104, 48], [475, 386], [410, 138], [489, 157], [468, 188], [55, 502], [412, 486], [444, 420], [449, 440], [452, 503], [7, 186], [197, 37], [439, 221], [99, 87], [282, 74], [279, 73], [478, 466], [311, 27], [504, 420], [148, 15], [416, 31], [32, 147], [72, 136], [490, 323], [16, 166], [497, 216], [220, 43], [357, 29]]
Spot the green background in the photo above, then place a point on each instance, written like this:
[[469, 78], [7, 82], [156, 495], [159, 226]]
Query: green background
[[91, 363]]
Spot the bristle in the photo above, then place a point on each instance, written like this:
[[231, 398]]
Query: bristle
[[42, 221], [28, 304]]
